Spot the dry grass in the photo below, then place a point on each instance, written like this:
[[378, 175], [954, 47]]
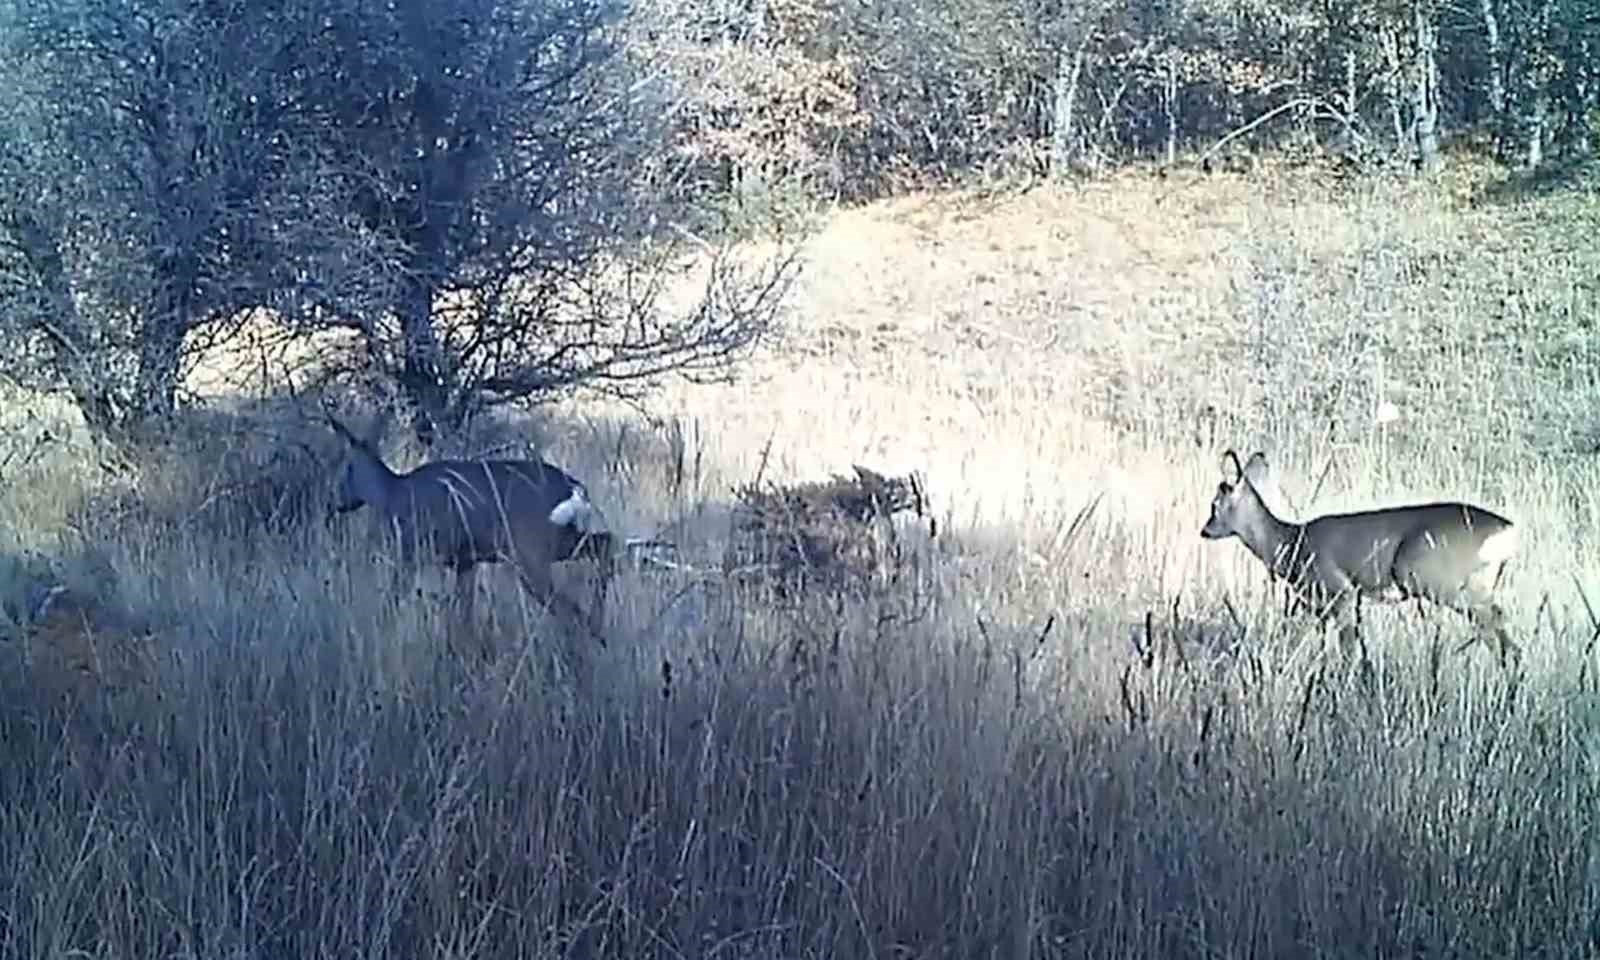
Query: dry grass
[[1071, 729]]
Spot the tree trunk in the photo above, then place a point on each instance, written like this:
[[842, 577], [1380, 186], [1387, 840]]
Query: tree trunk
[[1425, 96], [1392, 93], [422, 367], [1587, 87], [72, 356], [1063, 135], [161, 348], [1534, 62], [1350, 86], [1533, 119], [1575, 89], [1169, 103], [1499, 121]]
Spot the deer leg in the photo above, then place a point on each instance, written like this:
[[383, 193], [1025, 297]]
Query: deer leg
[[466, 592], [1490, 622], [597, 547], [536, 580], [1349, 640], [1342, 613], [463, 622], [1345, 610], [1510, 653], [605, 569]]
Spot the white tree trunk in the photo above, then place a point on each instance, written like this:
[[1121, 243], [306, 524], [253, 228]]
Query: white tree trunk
[[1169, 101], [1063, 120], [1425, 93], [1534, 108], [1495, 47]]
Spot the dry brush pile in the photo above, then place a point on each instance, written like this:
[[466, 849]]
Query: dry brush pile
[[836, 535]]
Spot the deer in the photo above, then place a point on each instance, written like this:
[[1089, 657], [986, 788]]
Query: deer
[[1449, 554], [462, 513]]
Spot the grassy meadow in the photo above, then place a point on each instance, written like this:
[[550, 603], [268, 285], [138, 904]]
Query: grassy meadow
[[1064, 727]]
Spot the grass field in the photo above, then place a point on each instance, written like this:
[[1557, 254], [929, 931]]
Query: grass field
[[1071, 728]]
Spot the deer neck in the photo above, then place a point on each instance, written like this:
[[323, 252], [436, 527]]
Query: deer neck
[[1275, 542], [373, 481]]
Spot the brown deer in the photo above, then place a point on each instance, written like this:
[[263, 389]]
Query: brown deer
[[465, 512], [1450, 554]]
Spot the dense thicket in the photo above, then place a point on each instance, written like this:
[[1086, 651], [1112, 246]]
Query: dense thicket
[[855, 98]]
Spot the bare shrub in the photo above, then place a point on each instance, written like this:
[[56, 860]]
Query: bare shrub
[[230, 478], [836, 534]]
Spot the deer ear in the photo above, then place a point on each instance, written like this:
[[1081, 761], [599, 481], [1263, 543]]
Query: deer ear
[[339, 428], [1258, 471], [1232, 472]]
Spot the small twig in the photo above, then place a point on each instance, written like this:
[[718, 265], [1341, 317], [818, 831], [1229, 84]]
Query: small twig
[[1594, 637], [855, 906], [1298, 737], [1238, 622], [1177, 636], [28, 454], [1587, 606], [1044, 634]]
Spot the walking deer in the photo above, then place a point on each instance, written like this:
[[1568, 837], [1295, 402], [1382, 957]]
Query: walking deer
[[462, 513], [1450, 554]]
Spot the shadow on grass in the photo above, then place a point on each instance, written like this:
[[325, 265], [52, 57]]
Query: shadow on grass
[[1546, 181], [314, 774]]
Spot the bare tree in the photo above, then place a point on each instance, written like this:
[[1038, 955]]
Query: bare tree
[[497, 147], [1073, 29], [45, 337], [1495, 52], [1425, 85], [457, 183], [1540, 76], [150, 187]]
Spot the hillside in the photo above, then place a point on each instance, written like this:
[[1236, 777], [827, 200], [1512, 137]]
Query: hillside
[[1066, 726]]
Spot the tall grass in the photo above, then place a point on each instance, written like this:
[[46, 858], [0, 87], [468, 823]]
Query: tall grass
[[1071, 729]]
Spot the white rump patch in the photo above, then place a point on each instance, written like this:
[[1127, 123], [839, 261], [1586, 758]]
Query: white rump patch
[[1391, 593], [578, 513], [1498, 547]]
